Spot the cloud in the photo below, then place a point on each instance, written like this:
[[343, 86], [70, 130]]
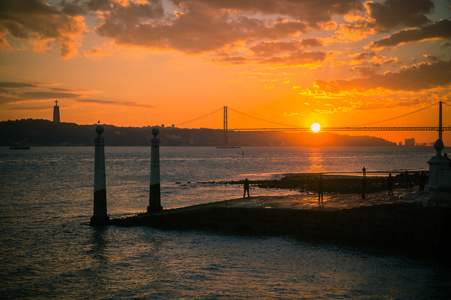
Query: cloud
[[47, 95], [275, 47], [32, 108], [123, 103], [19, 92], [395, 13], [419, 77], [384, 16], [311, 59], [41, 24], [96, 52], [312, 11], [297, 58], [13, 84], [437, 30], [199, 26]]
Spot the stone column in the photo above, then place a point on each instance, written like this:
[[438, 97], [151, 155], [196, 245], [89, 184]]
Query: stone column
[[154, 193], [100, 216]]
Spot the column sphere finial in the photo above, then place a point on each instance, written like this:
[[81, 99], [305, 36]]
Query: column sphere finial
[[99, 129], [155, 131]]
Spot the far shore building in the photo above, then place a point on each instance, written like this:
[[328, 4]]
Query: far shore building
[[409, 142], [56, 113]]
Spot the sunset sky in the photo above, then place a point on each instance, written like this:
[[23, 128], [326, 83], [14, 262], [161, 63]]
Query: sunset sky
[[148, 62]]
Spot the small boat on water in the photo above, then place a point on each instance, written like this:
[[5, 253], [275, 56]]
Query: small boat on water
[[19, 145]]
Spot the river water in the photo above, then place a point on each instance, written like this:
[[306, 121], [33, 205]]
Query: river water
[[48, 251]]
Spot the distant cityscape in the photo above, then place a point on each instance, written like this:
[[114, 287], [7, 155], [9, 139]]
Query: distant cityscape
[[44, 132]]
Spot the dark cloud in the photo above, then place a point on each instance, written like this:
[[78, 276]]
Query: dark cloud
[[41, 23], [12, 84], [312, 11], [276, 47], [438, 30], [366, 71], [395, 13], [232, 60], [13, 92], [199, 28], [415, 78], [431, 57], [33, 108], [47, 95], [124, 103], [365, 55], [297, 58]]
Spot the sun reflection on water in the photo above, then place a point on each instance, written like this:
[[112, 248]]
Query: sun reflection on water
[[315, 160]]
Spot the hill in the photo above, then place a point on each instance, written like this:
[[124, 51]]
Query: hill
[[47, 133]]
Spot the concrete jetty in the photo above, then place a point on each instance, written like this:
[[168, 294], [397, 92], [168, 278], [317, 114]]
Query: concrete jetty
[[400, 221]]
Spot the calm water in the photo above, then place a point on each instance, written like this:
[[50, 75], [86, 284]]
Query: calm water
[[47, 251]]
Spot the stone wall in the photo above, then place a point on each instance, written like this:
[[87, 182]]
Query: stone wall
[[394, 225]]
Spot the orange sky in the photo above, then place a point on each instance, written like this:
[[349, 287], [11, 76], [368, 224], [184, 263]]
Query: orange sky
[[148, 62]]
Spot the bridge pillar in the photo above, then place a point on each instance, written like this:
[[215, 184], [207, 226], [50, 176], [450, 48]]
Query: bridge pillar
[[439, 183], [225, 139]]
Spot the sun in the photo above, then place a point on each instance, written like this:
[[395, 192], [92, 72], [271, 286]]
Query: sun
[[315, 127]]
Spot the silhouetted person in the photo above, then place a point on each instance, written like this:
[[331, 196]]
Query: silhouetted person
[[364, 171], [363, 187], [446, 156], [246, 188], [408, 183], [390, 184], [422, 181], [320, 189]]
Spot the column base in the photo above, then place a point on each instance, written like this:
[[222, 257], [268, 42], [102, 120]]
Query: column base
[[154, 209], [96, 220]]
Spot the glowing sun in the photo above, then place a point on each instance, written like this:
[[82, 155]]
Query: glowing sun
[[315, 127]]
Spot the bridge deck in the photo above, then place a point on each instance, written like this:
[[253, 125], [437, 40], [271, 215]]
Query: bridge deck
[[328, 129]]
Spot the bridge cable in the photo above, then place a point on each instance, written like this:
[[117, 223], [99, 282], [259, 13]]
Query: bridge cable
[[198, 118], [260, 119], [398, 117]]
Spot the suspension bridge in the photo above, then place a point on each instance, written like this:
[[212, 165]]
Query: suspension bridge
[[436, 117]]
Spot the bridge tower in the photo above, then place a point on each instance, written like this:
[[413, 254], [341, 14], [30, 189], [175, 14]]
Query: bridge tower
[[225, 139], [440, 127]]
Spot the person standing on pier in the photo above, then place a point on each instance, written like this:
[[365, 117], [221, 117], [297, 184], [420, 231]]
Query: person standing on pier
[[320, 189], [364, 183], [422, 182], [408, 183], [390, 184], [246, 188]]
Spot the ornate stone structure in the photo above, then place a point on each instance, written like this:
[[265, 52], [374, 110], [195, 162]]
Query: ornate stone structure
[[439, 183]]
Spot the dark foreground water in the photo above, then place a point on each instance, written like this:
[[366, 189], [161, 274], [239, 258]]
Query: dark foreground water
[[48, 251]]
